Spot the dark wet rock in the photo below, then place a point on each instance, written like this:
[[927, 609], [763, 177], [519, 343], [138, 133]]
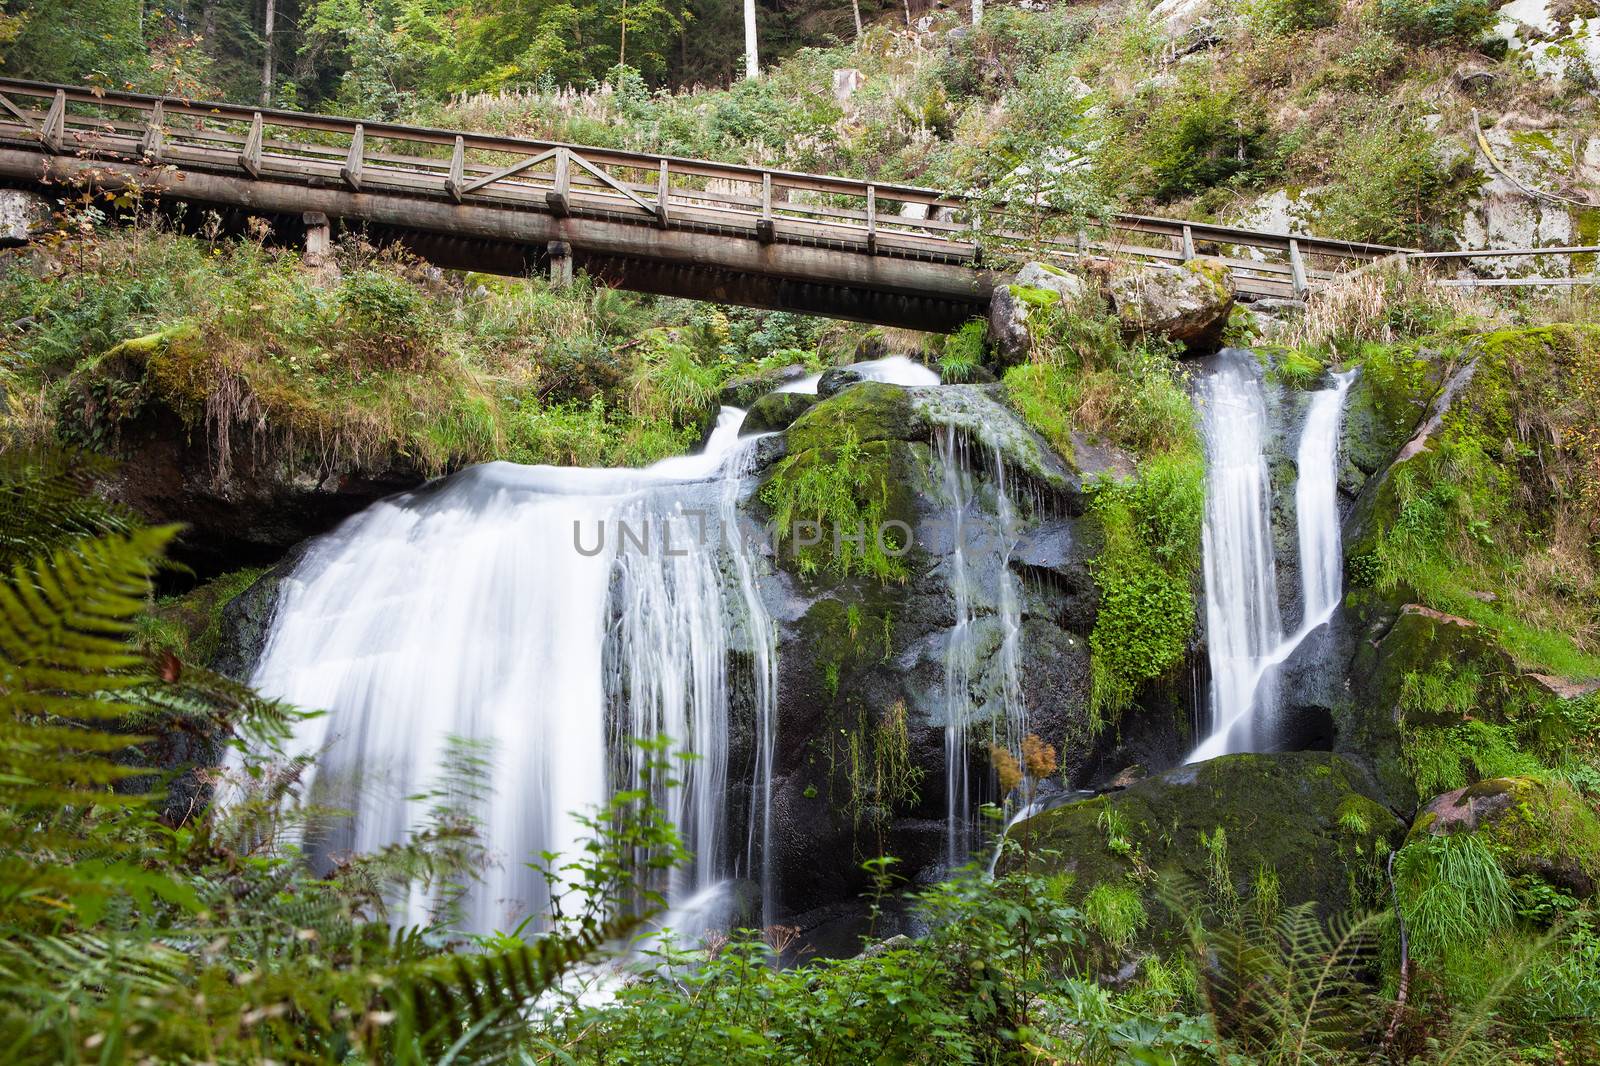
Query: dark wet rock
[[1535, 827], [1312, 817], [836, 380], [858, 656], [746, 390], [247, 619], [775, 411]]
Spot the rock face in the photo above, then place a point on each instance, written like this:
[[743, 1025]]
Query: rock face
[[746, 390], [1313, 817], [863, 689], [1014, 300], [242, 498], [22, 216], [1536, 828], [1189, 304]]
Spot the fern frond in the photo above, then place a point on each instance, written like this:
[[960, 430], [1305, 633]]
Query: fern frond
[[45, 502]]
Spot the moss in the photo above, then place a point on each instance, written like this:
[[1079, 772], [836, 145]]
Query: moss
[[1286, 813], [861, 498], [1145, 574], [870, 411], [190, 625]]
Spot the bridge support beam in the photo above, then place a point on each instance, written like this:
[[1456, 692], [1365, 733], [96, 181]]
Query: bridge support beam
[[639, 255], [560, 264], [318, 255]]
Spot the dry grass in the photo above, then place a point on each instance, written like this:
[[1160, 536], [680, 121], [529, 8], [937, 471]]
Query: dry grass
[[1383, 304]]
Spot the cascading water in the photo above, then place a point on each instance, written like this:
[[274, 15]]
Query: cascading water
[[1002, 704], [1243, 622], [513, 606], [959, 653]]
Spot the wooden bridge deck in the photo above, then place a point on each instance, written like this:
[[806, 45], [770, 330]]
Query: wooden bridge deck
[[877, 252]]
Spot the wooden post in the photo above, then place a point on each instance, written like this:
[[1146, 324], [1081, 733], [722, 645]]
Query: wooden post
[[1188, 243], [1297, 268], [557, 197], [150, 147], [54, 133], [351, 172], [872, 219], [560, 264], [977, 245], [766, 228], [458, 170], [318, 256], [661, 195], [250, 158]]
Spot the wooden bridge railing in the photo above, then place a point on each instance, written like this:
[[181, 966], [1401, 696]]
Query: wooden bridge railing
[[767, 205]]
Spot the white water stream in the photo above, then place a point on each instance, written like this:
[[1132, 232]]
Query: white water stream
[[1244, 627], [526, 608]]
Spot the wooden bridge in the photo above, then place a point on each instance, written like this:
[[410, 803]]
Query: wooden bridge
[[871, 251]]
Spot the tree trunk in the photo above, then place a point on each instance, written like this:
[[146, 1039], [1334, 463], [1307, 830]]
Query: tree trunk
[[855, 8], [977, 11], [752, 60], [266, 62]]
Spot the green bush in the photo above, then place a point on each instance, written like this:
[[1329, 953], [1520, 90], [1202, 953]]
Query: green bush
[[1437, 21], [1399, 183], [388, 323]]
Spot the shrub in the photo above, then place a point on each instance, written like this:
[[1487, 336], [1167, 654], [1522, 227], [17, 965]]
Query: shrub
[[388, 323], [1437, 21], [1400, 184]]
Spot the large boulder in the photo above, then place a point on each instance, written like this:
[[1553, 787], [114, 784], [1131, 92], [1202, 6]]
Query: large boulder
[[1189, 304], [1035, 286], [775, 411], [863, 687], [1317, 821], [1536, 828], [23, 215]]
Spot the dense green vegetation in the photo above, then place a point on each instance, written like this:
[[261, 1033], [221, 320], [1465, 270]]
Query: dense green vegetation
[[382, 365], [142, 921]]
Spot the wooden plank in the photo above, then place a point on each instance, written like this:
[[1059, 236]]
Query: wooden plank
[[1495, 253], [556, 198], [452, 184], [250, 158], [150, 146], [1297, 265], [872, 220], [1492, 283], [351, 171], [506, 172], [26, 121], [663, 195], [54, 130]]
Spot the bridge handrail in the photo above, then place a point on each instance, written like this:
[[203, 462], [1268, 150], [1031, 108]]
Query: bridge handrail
[[573, 181], [794, 180]]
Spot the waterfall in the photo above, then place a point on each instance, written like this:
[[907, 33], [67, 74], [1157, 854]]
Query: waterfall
[[959, 652], [1317, 504], [1003, 706], [548, 614], [1244, 626]]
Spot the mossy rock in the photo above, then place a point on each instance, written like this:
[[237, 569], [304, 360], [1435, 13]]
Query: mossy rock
[[1535, 827], [1316, 820], [776, 411], [872, 410]]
